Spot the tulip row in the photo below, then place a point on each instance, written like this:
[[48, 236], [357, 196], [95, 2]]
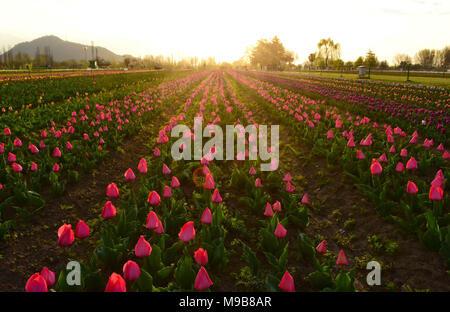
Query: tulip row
[[79, 143], [144, 227], [433, 120], [391, 185]]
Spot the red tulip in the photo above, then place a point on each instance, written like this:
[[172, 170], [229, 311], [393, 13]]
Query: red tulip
[[157, 152], [131, 271], [446, 155], [129, 175], [109, 210], [112, 190], [375, 167], [342, 259], [36, 283], [400, 167], [360, 155], [411, 164], [403, 153], [56, 152], [153, 198], [258, 183], [206, 216], [65, 235], [11, 157], [351, 143], [17, 142], [305, 199], [7, 132], [159, 227], [202, 281], [322, 247], [383, 158], [436, 193], [330, 134], [276, 206], [201, 257], [166, 170], [392, 150], [175, 183], [69, 146], [289, 187], [287, 177], [48, 276], [411, 188], [252, 171], [167, 192], [280, 231], [187, 232], [142, 167], [268, 212], [142, 248], [33, 149], [216, 198], [56, 167], [16, 167], [81, 230], [287, 282], [438, 182], [116, 283], [209, 182], [152, 220]]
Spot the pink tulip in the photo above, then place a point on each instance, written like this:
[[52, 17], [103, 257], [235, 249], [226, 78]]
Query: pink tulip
[[342, 259], [411, 188], [129, 175], [305, 199], [375, 167], [202, 280], [49, 276], [65, 235], [131, 271], [142, 248], [142, 167], [153, 198], [109, 210], [287, 283], [187, 232], [206, 216], [411, 164], [209, 182], [152, 220], [175, 183], [268, 212], [16, 167], [36, 283], [436, 193], [166, 170], [280, 231], [112, 191], [116, 283], [201, 257], [82, 230], [216, 198], [322, 247]]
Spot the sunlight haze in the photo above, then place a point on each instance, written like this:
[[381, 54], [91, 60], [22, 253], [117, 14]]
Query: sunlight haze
[[225, 29]]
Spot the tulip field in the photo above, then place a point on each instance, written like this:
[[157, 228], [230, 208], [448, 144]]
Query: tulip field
[[91, 198]]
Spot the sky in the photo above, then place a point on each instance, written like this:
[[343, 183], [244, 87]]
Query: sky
[[224, 29]]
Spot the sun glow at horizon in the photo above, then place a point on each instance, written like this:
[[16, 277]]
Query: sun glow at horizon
[[209, 28]]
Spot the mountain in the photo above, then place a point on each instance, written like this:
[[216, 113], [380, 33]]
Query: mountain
[[64, 50]]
